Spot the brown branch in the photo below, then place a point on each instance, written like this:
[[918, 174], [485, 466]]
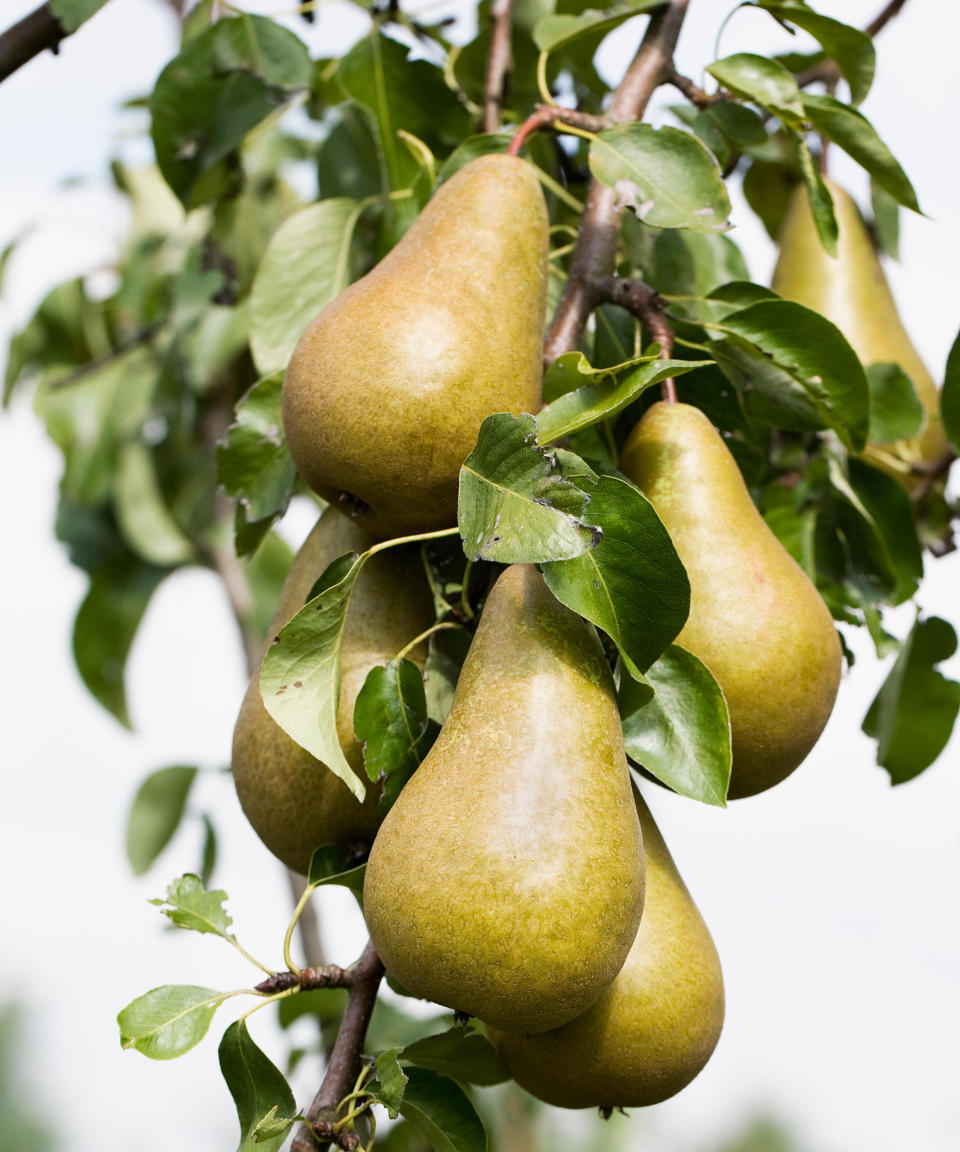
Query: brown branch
[[693, 92], [595, 254], [557, 118], [344, 1065], [28, 38], [498, 64], [643, 302], [879, 22]]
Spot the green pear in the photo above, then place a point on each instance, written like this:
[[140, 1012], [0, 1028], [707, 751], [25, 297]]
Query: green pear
[[657, 1024], [507, 880], [851, 290], [386, 390], [292, 800], [756, 620]]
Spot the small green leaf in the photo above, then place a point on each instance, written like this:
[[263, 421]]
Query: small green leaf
[[803, 362], [851, 49], [189, 905], [459, 1053], [895, 409], [143, 514], [446, 652], [208, 856], [270, 1129], [169, 1020], [253, 461], [914, 712], [950, 396], [70, 14], [819, 199], [305, 266], [602, 392], [665, 176], [257, 1086], [889, 507], [391, 722], [559, 29], [440, 1111], [515, 506], [300, 676], [156, 813], [391, 1080], [682, 735], [763, 81], [632, 584], [335, 864], [886, 220], [854, 133], [105, 625]]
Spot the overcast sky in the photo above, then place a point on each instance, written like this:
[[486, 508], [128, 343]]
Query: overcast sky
[[832, 899]]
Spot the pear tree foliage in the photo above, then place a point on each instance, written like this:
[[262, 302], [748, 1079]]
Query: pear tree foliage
[[281, 175]]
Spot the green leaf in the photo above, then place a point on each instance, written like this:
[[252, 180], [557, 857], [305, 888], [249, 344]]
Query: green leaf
[[270, 1129], [391, 722], [682, 735], [886, 220], [156, 814], [913, 714], [763, 81], [253, 461], [890, 510], [305, 266], [486, 144], [220, 86], [208, 856], [169, 1020], [257, 1086], [300, 676], [335, 864], [853, 132], [950, 396], [189, 905], [803, 361], [459, 1053], [391, 1080], [895, 409], [143, 514], [266, 572], [515, 506], [70, 14], [105, 625], [851, 49], [440, 1111], [557, 30], [819, 199], [729, 129], [632, 584], [446, 652], [602, 392], [665, 176]]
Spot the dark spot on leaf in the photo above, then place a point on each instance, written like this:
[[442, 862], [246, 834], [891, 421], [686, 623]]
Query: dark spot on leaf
[[298, 683]]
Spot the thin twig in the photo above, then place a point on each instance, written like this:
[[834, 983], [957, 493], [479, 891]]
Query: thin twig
[[552, 116], [344, 1065], [140, 337], [596, 250], [643, 302], [498, 64], [693, 92], [29, 37]]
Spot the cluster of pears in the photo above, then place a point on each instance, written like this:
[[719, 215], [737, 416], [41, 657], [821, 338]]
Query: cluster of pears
[[519, 876]]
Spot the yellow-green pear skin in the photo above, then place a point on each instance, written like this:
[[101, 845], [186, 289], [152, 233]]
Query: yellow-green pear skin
[[657, 1024], [507, 880], [291, 799], [756, 620], [851, 290], [387, 388]]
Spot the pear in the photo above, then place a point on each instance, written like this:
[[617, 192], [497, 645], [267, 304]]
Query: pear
[[756, 620], [291, 799], [657, 1024], [851, 290], [387, 388], [507, 880]]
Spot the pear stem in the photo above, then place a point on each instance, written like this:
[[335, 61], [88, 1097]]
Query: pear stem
[[498, 64], [596, 251]]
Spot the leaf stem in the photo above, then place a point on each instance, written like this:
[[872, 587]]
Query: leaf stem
[[305, 895], [423, 636]]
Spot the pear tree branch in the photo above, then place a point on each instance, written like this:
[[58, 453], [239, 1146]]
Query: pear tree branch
[[498, 64], [594, 256], [34, 34], [638, 298], [363, 979]]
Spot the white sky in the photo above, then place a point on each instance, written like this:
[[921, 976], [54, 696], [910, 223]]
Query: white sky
[[832, 899]]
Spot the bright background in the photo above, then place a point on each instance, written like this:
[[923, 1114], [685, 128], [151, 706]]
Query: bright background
[[832, 899]]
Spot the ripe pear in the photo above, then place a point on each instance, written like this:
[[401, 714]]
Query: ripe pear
[[657, 1024], [756, 620], [507, 880], [387, 388], [851, 290], [293, 801]]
